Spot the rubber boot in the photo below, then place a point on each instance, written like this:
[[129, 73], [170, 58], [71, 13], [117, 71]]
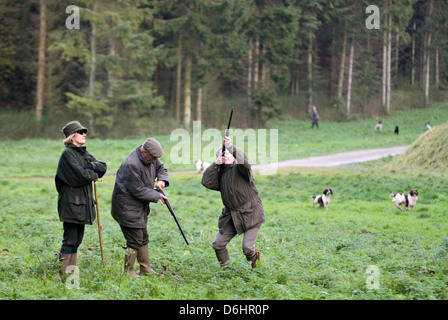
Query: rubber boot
[[73, 257], [254, 259], [143, 260], [129, 260], [223, 258], [65, 259]]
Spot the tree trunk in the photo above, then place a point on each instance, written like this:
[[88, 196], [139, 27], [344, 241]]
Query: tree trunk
[[92, 77], [427, 70], [436, 68], [199, 104], [428, 58], [389, 55], [349, 78], [178, 82], [249, 76], [187, 92], [41, 61], [310, 72], [256, 68], [384, 73], [110, 74], [256, 77], [342, 67], [397, 57], [92, 71], [413, 56]]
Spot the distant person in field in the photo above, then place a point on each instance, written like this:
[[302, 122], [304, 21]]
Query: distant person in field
[[314, 117], [76, 171], [133, 191], [243, 211]]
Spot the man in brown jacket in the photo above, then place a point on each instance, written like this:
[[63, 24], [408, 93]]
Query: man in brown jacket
[[133, 191], [243, 211]]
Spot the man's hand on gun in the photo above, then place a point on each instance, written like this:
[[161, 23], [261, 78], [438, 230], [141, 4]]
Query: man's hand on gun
[[227, 157], [160, 184]]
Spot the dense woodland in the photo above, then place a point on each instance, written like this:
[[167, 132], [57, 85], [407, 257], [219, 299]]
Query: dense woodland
[[130, 63]]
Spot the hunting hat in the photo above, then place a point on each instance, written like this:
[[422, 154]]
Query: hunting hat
[[72, 127], [153, 147]]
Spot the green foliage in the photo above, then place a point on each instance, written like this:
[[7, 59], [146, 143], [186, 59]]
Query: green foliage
[[87, 107]]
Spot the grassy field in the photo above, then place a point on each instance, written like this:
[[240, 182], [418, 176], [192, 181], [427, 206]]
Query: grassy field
[[306, 253]]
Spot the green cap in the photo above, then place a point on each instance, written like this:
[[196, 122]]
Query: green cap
[[72, 127]]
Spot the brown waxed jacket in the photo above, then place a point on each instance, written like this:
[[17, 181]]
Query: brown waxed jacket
[[134, 189], [238, 192]]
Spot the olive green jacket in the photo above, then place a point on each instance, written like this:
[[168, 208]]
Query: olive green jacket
[[239, 194], [76, 203]]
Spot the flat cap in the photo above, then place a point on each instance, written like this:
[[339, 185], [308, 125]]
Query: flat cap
[[153, 147]]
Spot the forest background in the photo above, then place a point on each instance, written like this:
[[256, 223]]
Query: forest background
[[136, 67]]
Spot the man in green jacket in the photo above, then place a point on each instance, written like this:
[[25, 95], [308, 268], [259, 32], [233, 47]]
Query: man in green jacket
[[76, 171], [133, 191], [243, 211]]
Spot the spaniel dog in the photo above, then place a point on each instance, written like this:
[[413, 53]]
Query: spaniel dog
[[409, 200], [201, 166], [324, 199]]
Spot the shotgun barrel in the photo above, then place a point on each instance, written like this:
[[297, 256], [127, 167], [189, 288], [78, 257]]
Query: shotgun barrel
[[170, 208], [227, 131]]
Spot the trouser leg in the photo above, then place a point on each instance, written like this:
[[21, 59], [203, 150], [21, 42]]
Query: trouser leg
[[72, 239], [250, 236], [137, 243], [221, 241]]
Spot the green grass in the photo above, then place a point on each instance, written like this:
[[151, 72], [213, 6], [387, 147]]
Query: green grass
[[307, 253]]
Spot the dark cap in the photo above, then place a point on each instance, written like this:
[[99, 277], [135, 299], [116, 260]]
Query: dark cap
[[72, 127], [153, 147]]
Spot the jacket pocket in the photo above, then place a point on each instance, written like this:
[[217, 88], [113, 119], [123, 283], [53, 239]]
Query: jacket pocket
[[246, 216], [77, 204]]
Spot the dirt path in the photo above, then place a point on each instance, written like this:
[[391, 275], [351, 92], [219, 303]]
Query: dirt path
[[334, 160]]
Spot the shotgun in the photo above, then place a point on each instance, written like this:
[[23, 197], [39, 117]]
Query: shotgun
[[227, 132], [170, 208]]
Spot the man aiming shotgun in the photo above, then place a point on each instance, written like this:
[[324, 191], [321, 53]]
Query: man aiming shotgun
[[243, 211]]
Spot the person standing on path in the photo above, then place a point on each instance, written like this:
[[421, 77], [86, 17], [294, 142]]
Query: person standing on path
[[133, 191], [243, 211], [76, 171], [314, 117]]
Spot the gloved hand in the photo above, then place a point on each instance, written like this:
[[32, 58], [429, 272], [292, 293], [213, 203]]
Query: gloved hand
[[88, 166]]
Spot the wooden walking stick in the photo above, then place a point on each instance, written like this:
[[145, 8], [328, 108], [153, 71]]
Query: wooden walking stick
[[99, 223]]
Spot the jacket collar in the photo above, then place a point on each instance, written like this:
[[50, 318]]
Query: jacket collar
[[80, 149], [139, 155]]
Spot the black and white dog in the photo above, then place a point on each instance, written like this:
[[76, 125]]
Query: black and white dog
[[324, 199], [409, 200], [201, 166]]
